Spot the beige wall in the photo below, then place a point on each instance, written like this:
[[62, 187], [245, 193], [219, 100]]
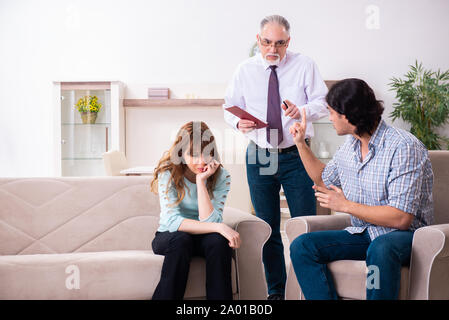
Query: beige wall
[[151, 130], [201, 41]]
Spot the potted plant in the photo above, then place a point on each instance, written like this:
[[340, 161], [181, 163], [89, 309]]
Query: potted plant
[[88, 107], [424, 103]]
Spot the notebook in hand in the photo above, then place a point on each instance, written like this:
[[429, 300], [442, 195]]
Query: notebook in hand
[[242, 114]]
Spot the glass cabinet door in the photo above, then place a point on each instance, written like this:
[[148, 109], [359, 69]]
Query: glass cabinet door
[[82, 144], [325, 142]]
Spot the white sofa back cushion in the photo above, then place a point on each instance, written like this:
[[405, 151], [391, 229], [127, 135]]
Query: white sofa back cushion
[[76, 214]]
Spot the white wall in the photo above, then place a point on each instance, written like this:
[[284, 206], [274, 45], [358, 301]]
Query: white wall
[[194, 42]]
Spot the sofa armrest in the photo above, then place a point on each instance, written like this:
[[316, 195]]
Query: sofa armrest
[[429, 264], [295, 227], [254, 232]]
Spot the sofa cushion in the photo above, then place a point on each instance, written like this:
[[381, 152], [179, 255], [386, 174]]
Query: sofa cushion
[[350, 279], [128, 274]]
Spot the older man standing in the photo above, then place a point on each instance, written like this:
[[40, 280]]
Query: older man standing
[[259, 86]]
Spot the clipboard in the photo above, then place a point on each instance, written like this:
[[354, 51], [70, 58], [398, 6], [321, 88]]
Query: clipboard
[[242, 114]]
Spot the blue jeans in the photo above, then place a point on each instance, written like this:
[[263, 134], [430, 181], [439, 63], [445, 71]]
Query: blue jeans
[[266, 172], [310, 253]]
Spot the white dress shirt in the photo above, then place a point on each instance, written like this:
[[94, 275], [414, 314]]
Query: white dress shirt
[[299, 82]]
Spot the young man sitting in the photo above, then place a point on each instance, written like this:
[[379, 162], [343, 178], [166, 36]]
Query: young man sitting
[[381, 176]]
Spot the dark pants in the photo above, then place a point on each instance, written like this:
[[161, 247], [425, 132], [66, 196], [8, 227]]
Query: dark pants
[[311, 252], [266, 172], [178, 248]]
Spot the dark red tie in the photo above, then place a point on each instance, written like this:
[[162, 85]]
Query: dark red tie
[[274, 107]]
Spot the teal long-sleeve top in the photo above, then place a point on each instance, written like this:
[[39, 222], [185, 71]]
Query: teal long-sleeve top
[[172, 216]]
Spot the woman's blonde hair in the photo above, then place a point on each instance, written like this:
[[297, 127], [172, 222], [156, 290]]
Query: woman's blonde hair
[[196, 139]]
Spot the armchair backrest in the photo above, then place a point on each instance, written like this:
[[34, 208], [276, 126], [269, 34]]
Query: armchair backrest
[[114, 161], [440, 167]]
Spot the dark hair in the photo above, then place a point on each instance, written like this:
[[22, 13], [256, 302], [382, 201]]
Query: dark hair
[[354, 99]]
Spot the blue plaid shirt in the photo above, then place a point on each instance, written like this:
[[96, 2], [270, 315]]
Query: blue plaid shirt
[[396, 172]]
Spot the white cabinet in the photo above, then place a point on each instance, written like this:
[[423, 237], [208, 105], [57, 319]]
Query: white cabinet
[[79, 146], [325, 140]]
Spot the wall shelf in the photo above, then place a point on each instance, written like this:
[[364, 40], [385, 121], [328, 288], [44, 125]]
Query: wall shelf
[[184, 102], [173, 102]]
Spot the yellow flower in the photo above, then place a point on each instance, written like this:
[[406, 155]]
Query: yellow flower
[[88, 103]]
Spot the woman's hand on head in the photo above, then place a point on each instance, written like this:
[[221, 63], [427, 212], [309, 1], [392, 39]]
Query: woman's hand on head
[[209, 170]]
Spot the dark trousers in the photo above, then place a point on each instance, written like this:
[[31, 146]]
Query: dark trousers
[[385, 255], [178, 248], [266, 172]]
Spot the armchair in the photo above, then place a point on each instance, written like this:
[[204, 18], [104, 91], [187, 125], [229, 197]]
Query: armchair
[[426, 278]]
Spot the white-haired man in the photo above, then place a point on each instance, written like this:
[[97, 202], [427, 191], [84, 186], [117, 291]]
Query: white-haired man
[[260, 85]]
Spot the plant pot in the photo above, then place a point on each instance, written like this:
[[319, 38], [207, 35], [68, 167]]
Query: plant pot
[[89, 117]]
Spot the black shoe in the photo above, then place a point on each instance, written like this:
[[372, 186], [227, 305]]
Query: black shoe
[[276, 296]]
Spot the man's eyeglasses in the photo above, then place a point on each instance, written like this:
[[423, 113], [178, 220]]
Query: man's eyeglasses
[[277, 44]]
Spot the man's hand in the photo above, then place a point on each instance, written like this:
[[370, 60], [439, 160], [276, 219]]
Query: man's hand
[[333, 198], [298, 129], [385, 216], [292, 111], [246, 126], [230, 234]]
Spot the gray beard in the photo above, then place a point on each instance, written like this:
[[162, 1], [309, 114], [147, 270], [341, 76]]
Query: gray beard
[[273, 62]]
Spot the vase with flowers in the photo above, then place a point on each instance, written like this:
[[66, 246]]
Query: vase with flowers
[[88, 107]]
